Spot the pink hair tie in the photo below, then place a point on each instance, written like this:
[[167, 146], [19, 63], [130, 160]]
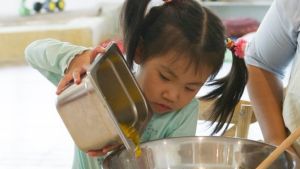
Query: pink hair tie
[[240, 46], [237, 47]]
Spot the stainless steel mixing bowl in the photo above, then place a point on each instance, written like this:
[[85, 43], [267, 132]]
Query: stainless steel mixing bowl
[[211, 152]]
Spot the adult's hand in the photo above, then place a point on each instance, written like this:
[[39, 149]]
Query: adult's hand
[[78, 67]]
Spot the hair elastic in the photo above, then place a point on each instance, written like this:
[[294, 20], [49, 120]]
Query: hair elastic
[[238, 47]]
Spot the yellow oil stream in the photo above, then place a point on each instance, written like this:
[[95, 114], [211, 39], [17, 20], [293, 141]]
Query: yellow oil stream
[[131, 133]]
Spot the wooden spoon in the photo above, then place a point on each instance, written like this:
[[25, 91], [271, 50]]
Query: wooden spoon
[[283, 146]]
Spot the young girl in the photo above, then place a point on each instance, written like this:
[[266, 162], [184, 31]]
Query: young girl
[[178, 46]]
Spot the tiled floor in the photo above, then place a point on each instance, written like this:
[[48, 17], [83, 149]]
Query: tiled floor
[[32, 135]]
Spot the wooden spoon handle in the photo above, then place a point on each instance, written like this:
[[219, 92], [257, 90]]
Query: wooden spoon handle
[[283, 146]]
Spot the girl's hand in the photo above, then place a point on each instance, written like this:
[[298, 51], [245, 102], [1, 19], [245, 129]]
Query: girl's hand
[[78, 67], [103, 151]]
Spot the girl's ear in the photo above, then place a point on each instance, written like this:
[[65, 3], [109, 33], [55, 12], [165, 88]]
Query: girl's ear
[[138, 55]]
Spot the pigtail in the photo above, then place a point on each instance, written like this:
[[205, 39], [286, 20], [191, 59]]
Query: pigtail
[[132, 17], [229, 89]]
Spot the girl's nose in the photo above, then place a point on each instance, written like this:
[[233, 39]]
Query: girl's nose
[[171, 95]]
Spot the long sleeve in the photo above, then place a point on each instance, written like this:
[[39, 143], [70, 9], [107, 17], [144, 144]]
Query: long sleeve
[[51, 57]]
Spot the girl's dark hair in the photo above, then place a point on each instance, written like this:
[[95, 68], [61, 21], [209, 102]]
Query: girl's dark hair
[[187, 29]]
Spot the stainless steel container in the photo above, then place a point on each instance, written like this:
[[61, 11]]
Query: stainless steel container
[[108, 95], [200, 153]]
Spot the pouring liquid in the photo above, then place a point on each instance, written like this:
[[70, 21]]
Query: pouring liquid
[[133, 151], [131, 133]]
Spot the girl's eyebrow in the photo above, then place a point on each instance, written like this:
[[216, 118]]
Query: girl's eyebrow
[[168, 70]]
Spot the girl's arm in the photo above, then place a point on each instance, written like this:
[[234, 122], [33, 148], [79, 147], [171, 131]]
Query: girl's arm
[[52, 57], [61, 62]]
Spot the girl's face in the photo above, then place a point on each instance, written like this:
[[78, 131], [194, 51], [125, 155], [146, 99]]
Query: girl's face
[[167, 84]]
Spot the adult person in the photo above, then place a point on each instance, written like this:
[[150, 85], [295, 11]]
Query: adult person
[[275, 46]]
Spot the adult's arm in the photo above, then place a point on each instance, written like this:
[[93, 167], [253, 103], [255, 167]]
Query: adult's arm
[[267, 56], [266, 95]]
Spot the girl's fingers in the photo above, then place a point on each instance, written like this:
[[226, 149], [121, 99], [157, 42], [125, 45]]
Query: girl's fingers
[[95, 52], [75, 76], [102, 151], [109, 148], [76, 73], [63, 83], [96, 153]]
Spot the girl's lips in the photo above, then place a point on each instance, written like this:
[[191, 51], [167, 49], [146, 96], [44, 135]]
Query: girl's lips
[[161, 107]]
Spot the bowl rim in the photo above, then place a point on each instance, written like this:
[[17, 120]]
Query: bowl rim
[[107, 158]]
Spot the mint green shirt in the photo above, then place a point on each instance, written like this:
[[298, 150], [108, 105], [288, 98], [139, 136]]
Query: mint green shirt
[[51, 58]]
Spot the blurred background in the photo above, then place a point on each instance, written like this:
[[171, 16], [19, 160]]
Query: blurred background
[[32, 135]]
